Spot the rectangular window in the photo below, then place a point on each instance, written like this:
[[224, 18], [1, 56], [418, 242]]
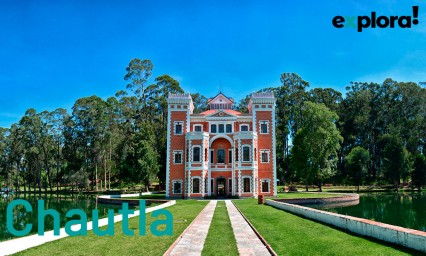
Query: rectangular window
[[211, 156], [206, 185], [211, 186], [197, 128], [265, 186], [213, 128], [236, 155], [178, 157], [246, 154], [264, 156], [177, 187], [236, 185], [230, 156], [221, 128], [264, 126], [178, 128], [220, 156], [228, 128], [246, 182], [196, 185], [196, 154], [230, 186], [244, 128]]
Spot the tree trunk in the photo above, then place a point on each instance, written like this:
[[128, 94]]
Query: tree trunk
[[96, 176], [105, 172], [109, 166]]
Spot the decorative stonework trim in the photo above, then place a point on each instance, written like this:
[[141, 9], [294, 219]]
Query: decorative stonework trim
[[267, 151], [181, 156], [260, 126]]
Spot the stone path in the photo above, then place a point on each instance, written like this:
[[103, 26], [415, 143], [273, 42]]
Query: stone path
[[192, 240], [247, 241]]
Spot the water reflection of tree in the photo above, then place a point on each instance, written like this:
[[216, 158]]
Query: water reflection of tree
[[401, 209]]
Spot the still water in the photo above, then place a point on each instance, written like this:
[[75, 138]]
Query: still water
[[60, 203], [400, 209]]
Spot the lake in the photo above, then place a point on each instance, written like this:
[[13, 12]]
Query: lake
[[400, 209], [60, 203]]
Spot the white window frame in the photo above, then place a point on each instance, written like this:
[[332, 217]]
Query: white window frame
[[267, 151], [251, 184], [217, 128], [199, 184], [174, 156], [232, 128], [267, 126], [242, 153], [197, 125], [248, 127], [175, 123], [269, 185], [173, 186], [192, 154]]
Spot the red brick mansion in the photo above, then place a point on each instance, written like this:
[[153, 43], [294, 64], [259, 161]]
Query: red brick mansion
[[221, 151]]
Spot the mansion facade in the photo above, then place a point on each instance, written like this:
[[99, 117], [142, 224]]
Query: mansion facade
[[221, 152]]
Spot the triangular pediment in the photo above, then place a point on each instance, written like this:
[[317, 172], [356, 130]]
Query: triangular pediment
[[221, 114], [220, 98]]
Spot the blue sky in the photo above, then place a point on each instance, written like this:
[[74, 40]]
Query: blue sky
[[54, 52]]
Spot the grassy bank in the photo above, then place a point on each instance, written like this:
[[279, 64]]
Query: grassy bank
[[183, 214], [220, 239], [289, 234]]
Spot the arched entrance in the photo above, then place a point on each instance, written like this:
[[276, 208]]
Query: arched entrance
[[221, 186]]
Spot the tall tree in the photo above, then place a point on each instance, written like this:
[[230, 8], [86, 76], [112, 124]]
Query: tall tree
[[357, 163], [419, 171], [316, 143]]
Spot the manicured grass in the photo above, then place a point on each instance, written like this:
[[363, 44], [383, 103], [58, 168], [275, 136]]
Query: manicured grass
[[289, 234], [305, 195], [220, 239], [183, 212]]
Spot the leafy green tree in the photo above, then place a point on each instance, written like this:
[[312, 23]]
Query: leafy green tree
[[396, 162], [419, 171], [357, 164], [200, 102], [316, 143]]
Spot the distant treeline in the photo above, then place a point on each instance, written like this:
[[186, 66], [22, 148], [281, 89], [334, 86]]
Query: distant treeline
[[376, 134]]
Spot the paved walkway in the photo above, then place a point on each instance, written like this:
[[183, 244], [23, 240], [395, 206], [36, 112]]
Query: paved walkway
[[247, 241], [192, 241]]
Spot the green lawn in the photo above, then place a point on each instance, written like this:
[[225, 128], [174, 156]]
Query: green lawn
[[220, 239], [289, 234], [305, 195], [183, 214]]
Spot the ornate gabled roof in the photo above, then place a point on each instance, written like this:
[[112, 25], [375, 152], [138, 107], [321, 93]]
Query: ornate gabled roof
[[231, 100]]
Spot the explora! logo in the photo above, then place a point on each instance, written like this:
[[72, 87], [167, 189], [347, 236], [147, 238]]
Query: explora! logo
[[372, 21]]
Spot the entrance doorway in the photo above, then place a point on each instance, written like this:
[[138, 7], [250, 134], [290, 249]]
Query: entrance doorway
[[220, 186]]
